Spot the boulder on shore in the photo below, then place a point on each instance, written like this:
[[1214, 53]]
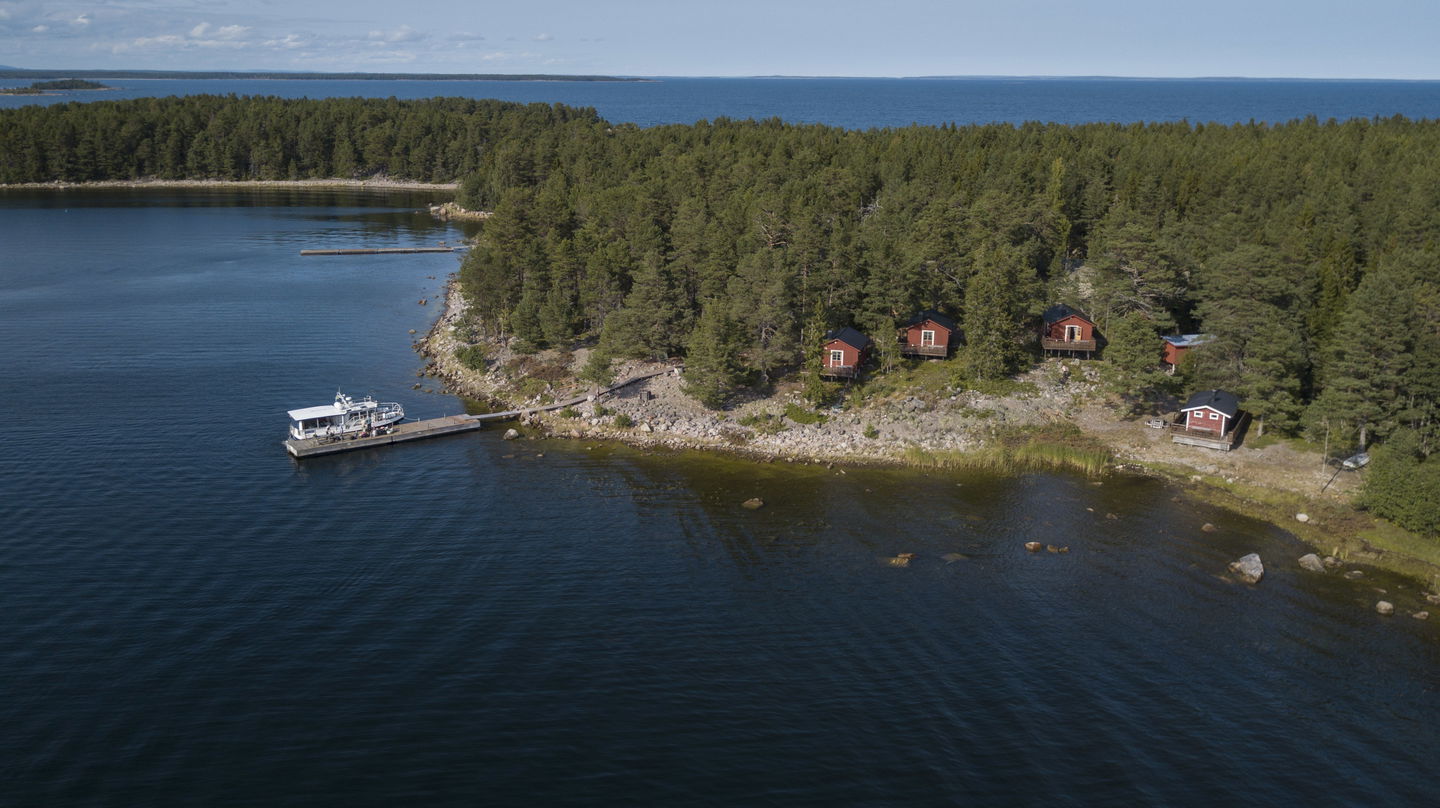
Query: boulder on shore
[[511, 434], [1248, 568], [1312, 563]]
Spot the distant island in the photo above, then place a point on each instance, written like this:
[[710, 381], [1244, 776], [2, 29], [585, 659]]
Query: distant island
[[42, 87], [197, 74]]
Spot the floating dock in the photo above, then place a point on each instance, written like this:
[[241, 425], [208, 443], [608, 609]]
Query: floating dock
[[435, 427], [384, 251], [400, 433]]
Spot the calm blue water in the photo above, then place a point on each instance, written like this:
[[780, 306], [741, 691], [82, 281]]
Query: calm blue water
[[864, 103], [191, 618]]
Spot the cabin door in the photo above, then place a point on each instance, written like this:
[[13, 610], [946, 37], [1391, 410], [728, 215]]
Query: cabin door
[[927, 339], [1072, 333], [837, 359]]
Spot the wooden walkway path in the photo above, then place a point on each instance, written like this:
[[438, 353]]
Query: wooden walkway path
[[447, 425], [384, 251]]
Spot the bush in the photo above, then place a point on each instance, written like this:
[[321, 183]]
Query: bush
[[800, 415], [473, 357], [1402, 487], [569, 412], [766, 423], [601, 410], [871, 432], [624, 421]]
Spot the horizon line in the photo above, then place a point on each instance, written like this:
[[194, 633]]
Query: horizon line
[[932, 77]]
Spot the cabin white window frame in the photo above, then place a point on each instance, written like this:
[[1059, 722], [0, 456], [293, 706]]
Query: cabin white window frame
[[927, 338], [1072, 333], [837, 358]]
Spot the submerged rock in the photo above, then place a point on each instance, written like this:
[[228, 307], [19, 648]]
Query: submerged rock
[[1034, 546], [1248, 568], [1384, 607], [900, 560], [1312, 562], [1208, 528], [1421, 615], [951, 558], [754, 503]]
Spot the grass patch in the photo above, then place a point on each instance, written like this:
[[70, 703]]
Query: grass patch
[[871, 432], [1053, 447], [800, 415], [569, 412], [765, 423]]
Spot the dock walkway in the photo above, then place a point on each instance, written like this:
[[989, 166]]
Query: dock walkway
[[446, 425], [384, 251]]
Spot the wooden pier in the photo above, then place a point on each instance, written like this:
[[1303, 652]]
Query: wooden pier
[[384, 251], [446, 425]]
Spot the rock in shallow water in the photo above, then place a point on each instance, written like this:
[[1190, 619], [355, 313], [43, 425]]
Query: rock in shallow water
[[754, 503], [1384, 607], [1312, 562], [1248, 568], [510, 434]]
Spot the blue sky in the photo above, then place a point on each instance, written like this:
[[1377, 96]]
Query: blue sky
[[1311, 39]]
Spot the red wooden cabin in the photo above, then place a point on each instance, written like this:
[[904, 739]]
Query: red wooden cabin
[[845, 351], [1177, 345], [1068, 330], [1211, 418], [928, 333]]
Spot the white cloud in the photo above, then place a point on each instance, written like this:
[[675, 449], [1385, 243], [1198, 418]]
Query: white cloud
[[287, 42], [82, 20], [465, 36], [40, 29], [544, 37], [199, 30], [402, 34]]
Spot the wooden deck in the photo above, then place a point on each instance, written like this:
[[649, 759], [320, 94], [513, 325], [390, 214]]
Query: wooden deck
[[447, 425], [940, 351], [840, 372], [1086, 345]]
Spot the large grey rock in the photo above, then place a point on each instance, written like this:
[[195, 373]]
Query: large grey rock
[[1248, 568], [1312, 563], [511, 434]]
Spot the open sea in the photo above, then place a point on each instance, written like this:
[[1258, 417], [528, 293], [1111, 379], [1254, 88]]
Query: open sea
[[189, 617], [859, 103]]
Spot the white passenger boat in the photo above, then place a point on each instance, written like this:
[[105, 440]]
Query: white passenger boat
[[347, 417]]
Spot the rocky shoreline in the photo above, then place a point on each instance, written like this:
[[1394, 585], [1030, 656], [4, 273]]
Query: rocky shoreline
[[925, 429]]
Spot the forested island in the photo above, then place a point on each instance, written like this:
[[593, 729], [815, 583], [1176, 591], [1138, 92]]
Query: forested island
[[198, 75], [41, 87], [1306, 249]]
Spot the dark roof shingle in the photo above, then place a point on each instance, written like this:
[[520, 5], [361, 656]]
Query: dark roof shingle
[[850, 337], [1218, 400]]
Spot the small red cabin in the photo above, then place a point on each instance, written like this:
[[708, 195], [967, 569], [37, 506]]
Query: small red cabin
[[845, 351], [1068, 330], [1210, 411], [928, 334], [1177, 345]]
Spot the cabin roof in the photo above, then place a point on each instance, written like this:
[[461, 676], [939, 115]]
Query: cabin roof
[[1188, 340], [1060, 311], [934, 317], [849, 336], [1217, 400], [323, 411]]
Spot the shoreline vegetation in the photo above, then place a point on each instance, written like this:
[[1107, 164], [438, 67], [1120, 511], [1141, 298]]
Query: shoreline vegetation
[[376, 183], [1016, 432]]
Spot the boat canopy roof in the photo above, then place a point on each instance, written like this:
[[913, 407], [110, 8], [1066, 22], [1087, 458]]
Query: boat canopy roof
[[326, 411]]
